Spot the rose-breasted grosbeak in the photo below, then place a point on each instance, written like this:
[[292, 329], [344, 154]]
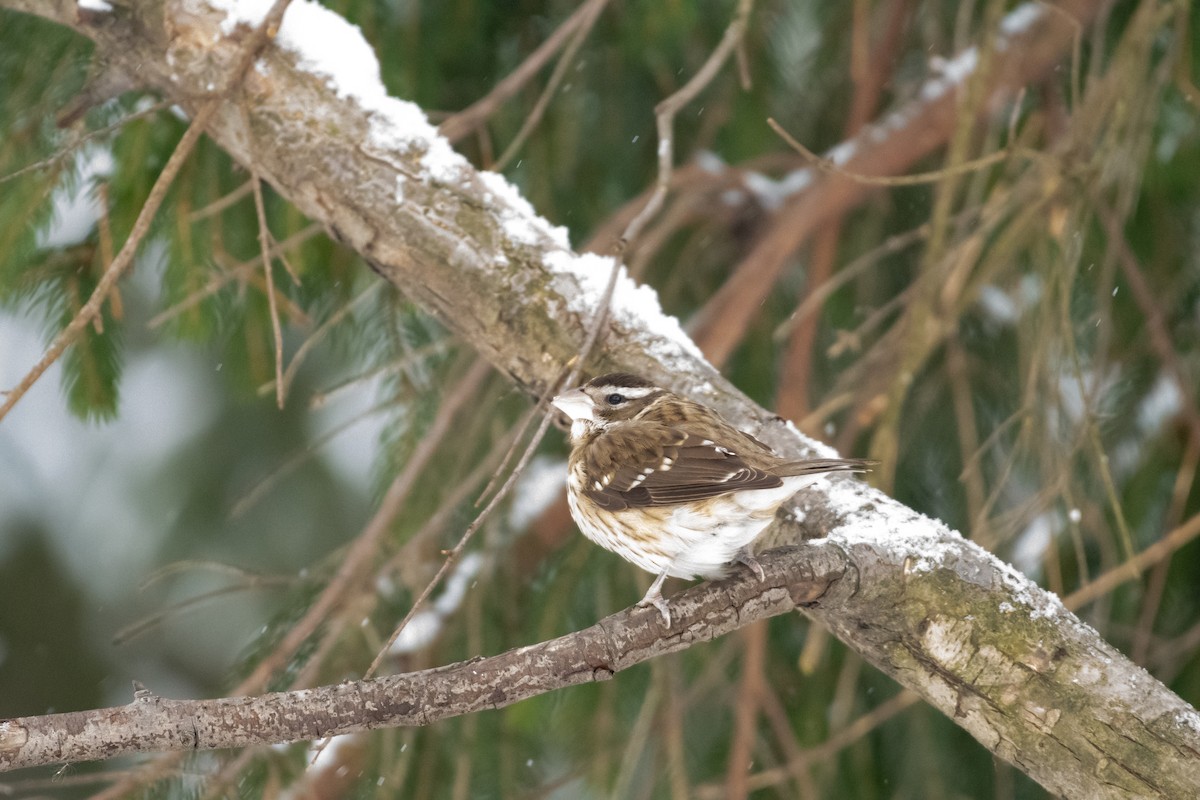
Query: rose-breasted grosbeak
[[669, 485]]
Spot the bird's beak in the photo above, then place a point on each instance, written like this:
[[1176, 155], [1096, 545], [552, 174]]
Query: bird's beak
[[575, 404]]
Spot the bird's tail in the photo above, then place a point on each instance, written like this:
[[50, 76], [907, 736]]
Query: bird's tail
[[813, 466]]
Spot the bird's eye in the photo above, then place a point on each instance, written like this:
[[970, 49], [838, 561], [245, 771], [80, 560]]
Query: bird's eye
[[615, 399]]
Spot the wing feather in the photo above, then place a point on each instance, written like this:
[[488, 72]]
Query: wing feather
[[660, 465]]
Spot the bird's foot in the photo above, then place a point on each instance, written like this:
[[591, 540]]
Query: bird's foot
[[745, 557], [660, 603], [654, 598]]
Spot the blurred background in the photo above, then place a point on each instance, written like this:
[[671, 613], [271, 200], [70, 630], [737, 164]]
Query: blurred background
[[1016, 341]]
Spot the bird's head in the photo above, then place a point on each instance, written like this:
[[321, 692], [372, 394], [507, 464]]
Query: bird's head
[[606, 400]]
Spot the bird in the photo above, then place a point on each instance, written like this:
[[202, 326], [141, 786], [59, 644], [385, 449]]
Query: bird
[[668, 484]]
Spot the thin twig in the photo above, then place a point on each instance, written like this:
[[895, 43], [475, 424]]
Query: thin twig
[[839, 741], [123, 261], [665, 118], [1133, 567], [241, 271], [560, 71], [222, 203], [264, 243], [533, 413], [71, 147], [136, 629], [826, 165], [439, 518], [367, 542], [436, 347], [300, 457], [265, 30], [576, 366], [746, 709], [1161, 340], [289, 375], [452, 555], [638, 745], [779, 719], [474, 115], [666, 672], [870, 66], [216, 785], [815, 299]]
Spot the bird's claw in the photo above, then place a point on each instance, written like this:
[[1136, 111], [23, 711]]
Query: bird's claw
[[659, 602], [752, 562]]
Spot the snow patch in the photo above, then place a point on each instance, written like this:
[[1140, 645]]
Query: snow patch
[[522, 225], [1032, 543], [1021, 19], [541, 484], [954, 73], [581, 280], [771, 194], [326, 45], [1162, 403], [710, 162], [426, 625], [998, 306], [819, 448], [842, 153], [76, 206]]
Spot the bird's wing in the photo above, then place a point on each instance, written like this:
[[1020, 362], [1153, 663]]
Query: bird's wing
[[660, 465]]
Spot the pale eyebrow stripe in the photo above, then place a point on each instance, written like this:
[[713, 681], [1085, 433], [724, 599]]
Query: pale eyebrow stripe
[[633, 393]]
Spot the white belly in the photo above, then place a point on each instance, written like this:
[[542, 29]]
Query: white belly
[[683, 541]]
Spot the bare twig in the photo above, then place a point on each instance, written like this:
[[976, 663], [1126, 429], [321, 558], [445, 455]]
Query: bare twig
[[367, 542], [1133, 567], [848, 735], [130, 632], [219, 205], [912, 131], [396, 365], [560, 70], [440, 518], [264, 242], [575, 368], [453, 554], [870, 67], [239, 272], [665, 113], [745, 711], [302, 455], [70, 148], [472, 117], [1160, 337], [311, 341], [831, 166], [121, 263]]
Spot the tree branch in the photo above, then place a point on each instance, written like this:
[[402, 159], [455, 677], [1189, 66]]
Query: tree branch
[[151, 723]]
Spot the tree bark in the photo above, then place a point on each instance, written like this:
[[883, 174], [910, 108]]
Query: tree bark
[[980, 642]]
